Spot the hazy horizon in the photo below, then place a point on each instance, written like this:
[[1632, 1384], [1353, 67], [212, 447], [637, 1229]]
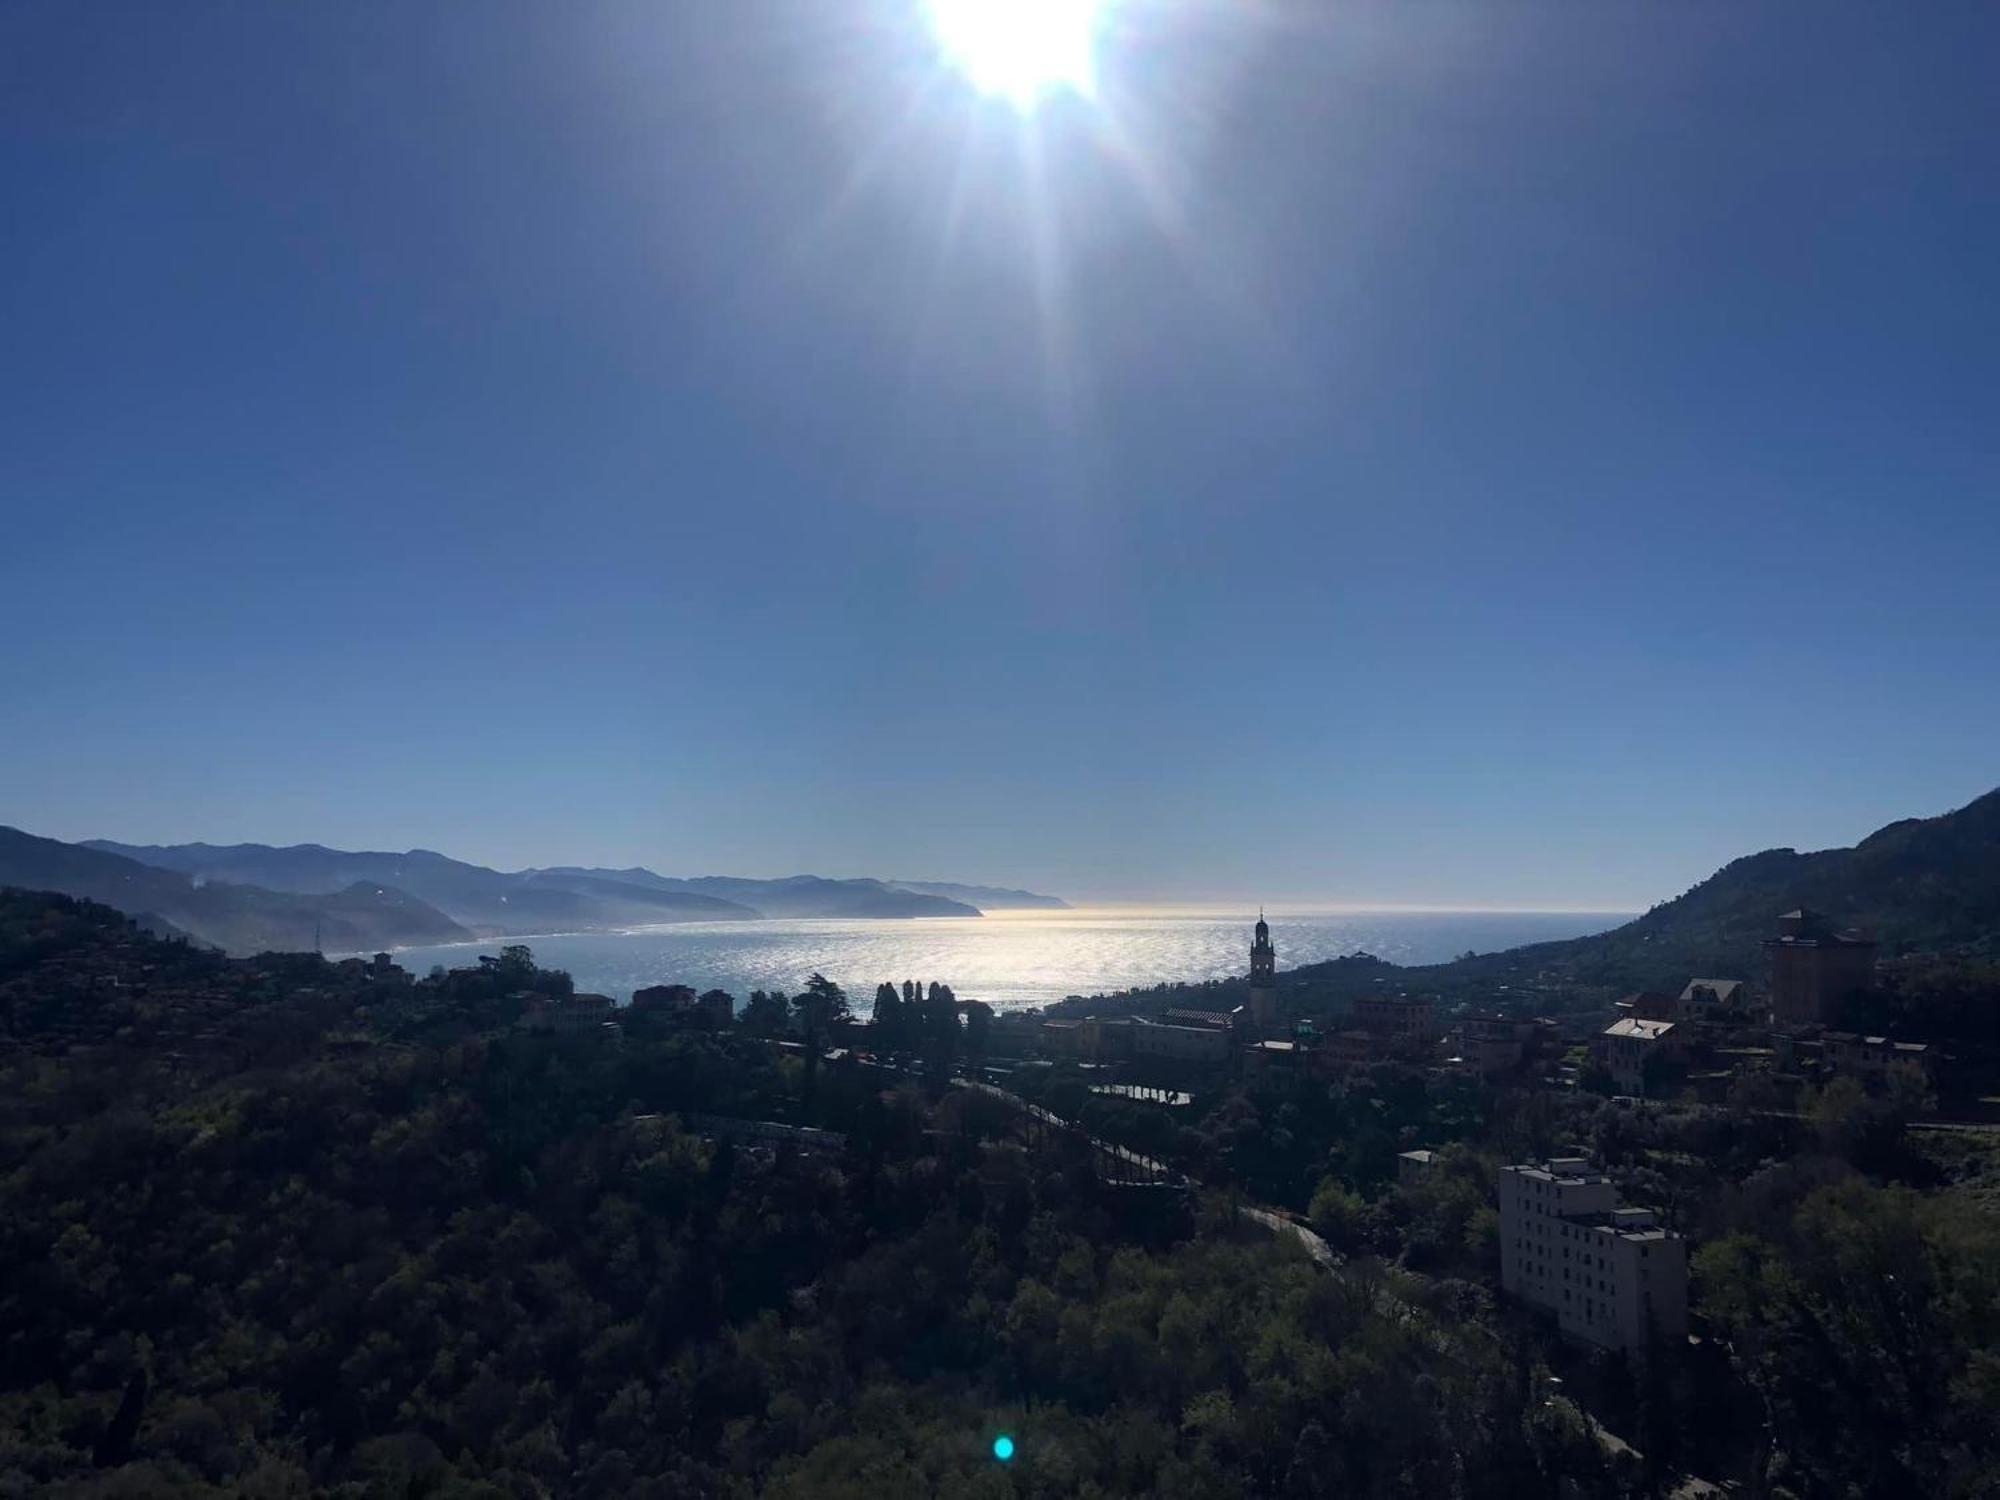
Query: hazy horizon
[[1098, 901], [1164, 898]]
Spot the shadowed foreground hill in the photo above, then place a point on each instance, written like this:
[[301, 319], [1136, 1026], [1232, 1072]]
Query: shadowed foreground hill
[[1924, 884], [280, 1227]]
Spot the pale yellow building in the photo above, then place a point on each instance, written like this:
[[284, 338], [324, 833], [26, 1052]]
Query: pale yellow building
[[1611, 1275]]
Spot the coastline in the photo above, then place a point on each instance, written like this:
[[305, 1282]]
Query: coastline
[[1026, 959]]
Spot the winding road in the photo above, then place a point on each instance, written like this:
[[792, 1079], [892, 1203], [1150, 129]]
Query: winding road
[[1270, 1219]]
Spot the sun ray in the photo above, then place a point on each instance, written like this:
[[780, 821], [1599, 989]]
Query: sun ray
[[1061, 374], [803, 246]]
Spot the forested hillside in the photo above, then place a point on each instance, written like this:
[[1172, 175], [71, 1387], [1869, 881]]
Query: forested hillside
[[285, 1227], [273, 1228], [1921, 885]]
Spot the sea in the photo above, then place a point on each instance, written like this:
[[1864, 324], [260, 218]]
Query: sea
[[1011, 959]]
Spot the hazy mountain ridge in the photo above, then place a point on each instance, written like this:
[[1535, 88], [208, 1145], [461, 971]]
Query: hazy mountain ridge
[[476, 901], [237, 916], [817, 896], [985, 897], [490, 902], [792, 895]]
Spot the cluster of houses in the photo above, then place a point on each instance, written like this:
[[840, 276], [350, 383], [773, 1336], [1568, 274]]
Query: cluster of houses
[[1380, 1028], [1704, 1038], [1716, 1031], [1609, 1273], [1384, 1027]]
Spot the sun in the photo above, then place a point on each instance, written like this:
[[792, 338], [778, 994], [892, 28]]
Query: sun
[[1021, 49]]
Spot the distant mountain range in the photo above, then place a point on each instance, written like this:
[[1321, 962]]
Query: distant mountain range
[[250, 897], [813, 896], [486, 901], [985, 897], [793, 896], [238, 916]]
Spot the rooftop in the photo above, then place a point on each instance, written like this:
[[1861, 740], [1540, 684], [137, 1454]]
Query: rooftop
[[1644, 1031], [1725, 991], [1568, 1169], [1849, 1038], [1174, 1025], [1648, 1233], [1805, 928]]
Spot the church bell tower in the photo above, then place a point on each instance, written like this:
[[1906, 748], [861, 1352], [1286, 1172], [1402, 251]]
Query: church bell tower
[[1263, 980]]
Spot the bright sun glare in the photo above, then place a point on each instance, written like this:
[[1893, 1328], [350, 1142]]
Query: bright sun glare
[[1021, 48]]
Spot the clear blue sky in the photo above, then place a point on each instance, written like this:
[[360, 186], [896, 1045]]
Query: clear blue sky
[[1464, 453]]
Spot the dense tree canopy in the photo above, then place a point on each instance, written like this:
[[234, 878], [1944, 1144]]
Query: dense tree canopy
[[394, 1247]]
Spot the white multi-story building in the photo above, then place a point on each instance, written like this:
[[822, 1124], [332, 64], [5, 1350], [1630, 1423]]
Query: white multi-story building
[[1612, 1276]]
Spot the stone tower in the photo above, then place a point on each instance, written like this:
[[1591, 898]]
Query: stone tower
[[1263, 980], [1815, 968]]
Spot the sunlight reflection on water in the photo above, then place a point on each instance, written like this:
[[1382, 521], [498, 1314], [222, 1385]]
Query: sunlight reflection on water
[[1012, 959]]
